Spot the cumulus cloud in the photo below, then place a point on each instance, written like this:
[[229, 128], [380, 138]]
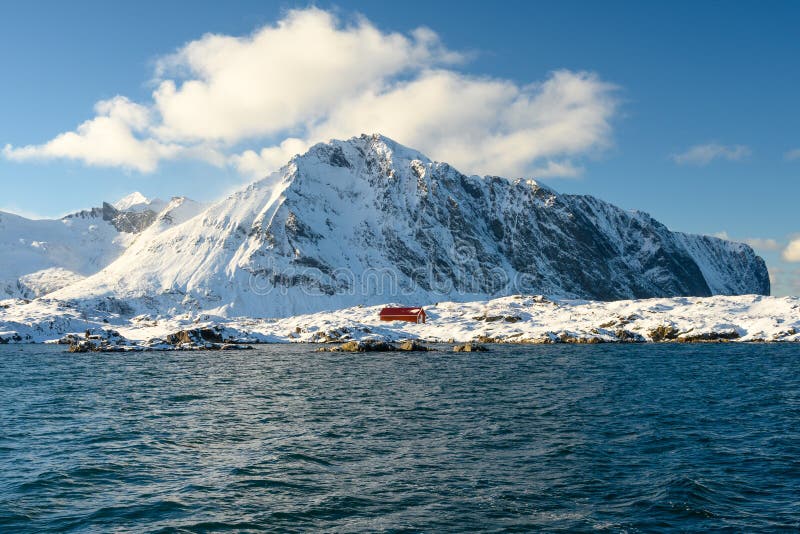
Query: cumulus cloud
[[283, 76], [765, 244], [705, 154], [255, 164], [310, 77], [792, 251], [109, 139], [557, 169], [483, 125]]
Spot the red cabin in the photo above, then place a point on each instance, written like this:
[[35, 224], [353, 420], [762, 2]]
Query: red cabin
[[411, 315]]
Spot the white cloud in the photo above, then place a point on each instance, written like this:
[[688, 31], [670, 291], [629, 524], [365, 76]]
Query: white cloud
[[283, 76], [482, 125], [792, 251], [309, 78], [792, 154], [556, 169], [109, 139], [760, 243], [255, 164], [705, 154]]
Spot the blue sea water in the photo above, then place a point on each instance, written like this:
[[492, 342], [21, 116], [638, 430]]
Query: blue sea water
[[558, 438]]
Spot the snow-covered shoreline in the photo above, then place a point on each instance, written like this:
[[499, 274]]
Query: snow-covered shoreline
[[514, 319]]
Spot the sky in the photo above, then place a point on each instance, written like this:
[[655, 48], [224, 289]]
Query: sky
[[686, 110]]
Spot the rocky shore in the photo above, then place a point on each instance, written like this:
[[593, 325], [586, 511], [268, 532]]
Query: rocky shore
[[516, 319], [107, 340]]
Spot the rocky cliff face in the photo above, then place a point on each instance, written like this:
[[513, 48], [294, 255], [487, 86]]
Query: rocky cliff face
[[370, 221], [130, 222]]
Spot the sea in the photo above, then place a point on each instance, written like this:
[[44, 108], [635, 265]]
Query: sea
[[560, 438]]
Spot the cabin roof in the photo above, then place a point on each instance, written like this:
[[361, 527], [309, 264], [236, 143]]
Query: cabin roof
[[402, 311]]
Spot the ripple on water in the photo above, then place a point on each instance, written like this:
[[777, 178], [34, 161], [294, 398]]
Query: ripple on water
[[623, 438]]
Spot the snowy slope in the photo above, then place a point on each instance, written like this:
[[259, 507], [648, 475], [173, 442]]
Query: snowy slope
[[41, 256], [138, 202], [366, 221], [173, 213]]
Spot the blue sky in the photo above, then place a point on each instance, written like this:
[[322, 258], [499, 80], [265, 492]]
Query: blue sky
[[692, 107]]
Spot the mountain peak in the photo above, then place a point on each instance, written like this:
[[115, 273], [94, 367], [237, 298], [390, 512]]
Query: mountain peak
[[344, 153], [356, 153], [131, 200], [138, 202]]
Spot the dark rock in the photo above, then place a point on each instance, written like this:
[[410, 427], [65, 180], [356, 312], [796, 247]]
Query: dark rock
[[13, 337], [69, 339], [82, 346], [413, 346], [131, 222], [337, 158], [495, 318], [626, 336], [361, 346], [581, 340], [196, 335], [470, 347], [663, 333], [709, 337]]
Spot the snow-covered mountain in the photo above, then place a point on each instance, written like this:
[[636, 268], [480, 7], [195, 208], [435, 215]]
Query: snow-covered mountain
[[138, 202], [41, 256], [367, 221]]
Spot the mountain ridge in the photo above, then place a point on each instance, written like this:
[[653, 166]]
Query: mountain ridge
[[367, 220], [39, 256]]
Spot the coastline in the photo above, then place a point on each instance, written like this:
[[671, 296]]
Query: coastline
[[508, 320]]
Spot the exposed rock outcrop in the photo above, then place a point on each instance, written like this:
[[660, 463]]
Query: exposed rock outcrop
[[469, 347], [107, 340], [376, 346]]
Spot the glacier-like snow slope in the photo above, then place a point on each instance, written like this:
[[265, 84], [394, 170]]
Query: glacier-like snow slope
[[38, 257], [367, 221]]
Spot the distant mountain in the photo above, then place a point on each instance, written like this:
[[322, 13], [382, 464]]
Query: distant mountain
[[41, 256], [138, 202], [367, 221]]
